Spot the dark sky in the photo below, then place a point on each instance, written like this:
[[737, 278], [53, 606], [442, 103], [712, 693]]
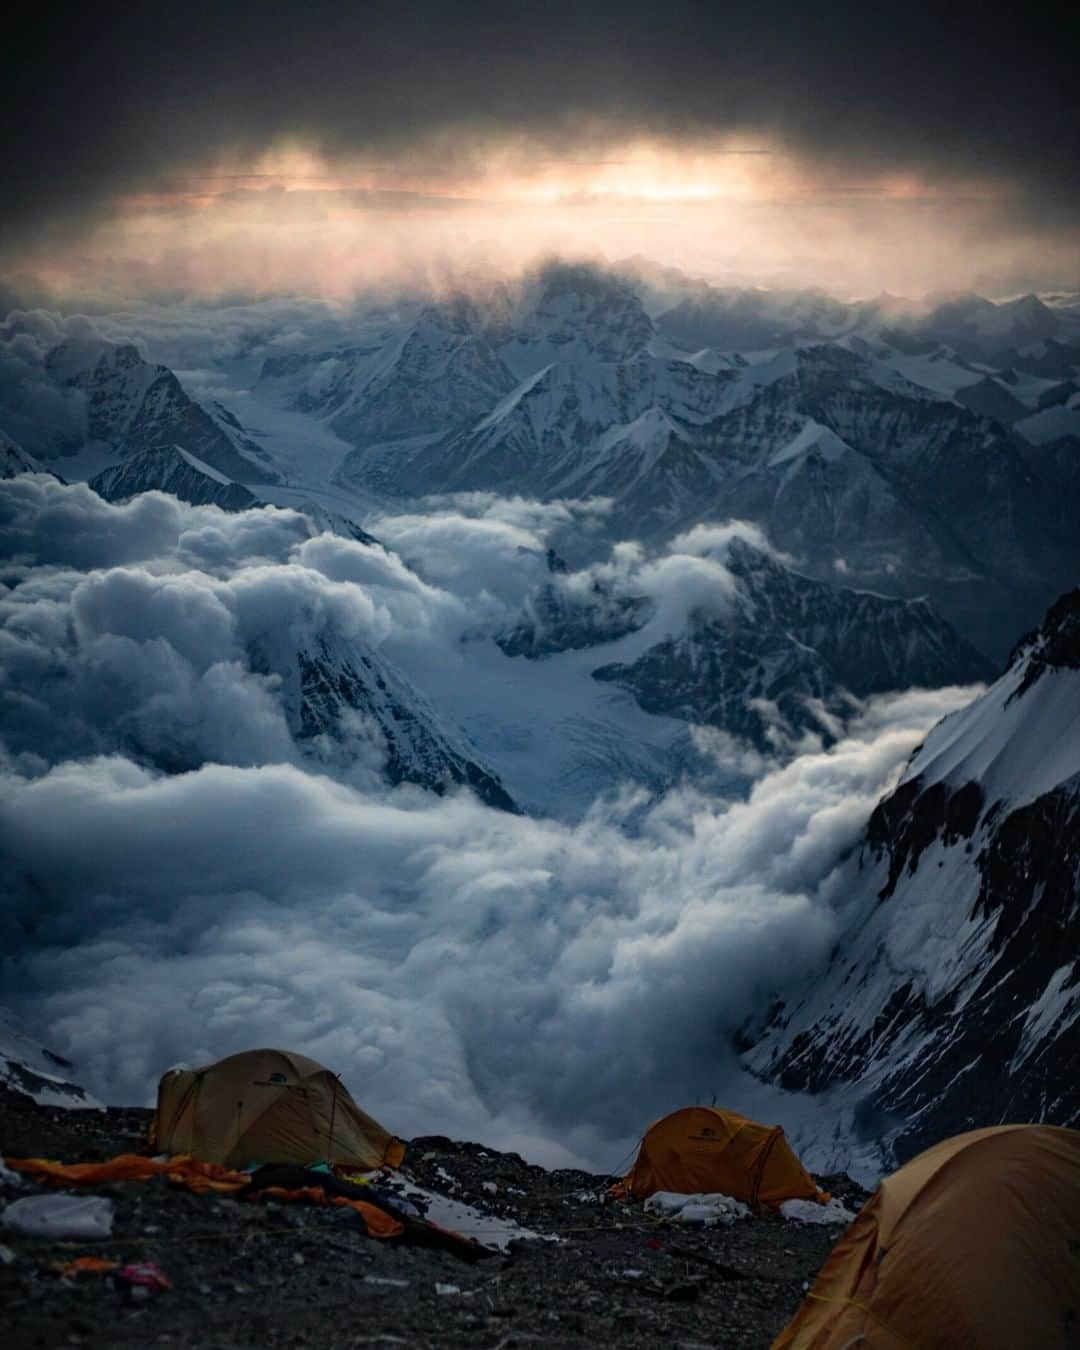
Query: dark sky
[[105, 97]]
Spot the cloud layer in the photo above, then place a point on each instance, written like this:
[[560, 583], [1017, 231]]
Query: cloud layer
[[541, 985], [400, 113]]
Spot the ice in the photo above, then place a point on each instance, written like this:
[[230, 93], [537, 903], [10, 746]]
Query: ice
[[488, 1229]]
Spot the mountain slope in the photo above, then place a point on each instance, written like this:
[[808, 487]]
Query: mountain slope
[[790, 654], [342, 698], [136, 405], [14, 460], [171, 469], [953, 996], [33, 1071]]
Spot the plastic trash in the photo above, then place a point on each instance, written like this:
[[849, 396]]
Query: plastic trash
[[445, 1290], [10, 1178], [700, 1209], [61, 1217], [144, 1278]]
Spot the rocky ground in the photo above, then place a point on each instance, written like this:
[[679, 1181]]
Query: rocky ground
[[279, 1275]]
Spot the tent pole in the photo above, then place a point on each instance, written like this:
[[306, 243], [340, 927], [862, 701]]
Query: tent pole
[[333, 1113]]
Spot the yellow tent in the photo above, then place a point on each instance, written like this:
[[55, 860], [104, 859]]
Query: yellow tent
[[703, 1149], [268, 1106], [974, 1243]]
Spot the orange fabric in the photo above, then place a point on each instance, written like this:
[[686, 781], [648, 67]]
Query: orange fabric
[[191, 1173], [966, 1245], [196, 1176], [379, 1223], [84, 1265], [201, 1177], [703, 1149]]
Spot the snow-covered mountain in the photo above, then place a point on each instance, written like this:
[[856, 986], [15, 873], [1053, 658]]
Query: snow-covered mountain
[[790, 654], [754, 319], [136, 405], [912, 449], [979, 327], [14, 460], [347, 702], [953, 995], [908, 468], [31, 1069], [171, 469]]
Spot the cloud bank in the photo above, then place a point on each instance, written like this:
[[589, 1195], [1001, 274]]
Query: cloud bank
[[963, 132], [182, 882]]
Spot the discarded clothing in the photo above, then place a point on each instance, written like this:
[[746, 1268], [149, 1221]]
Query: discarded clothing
[[381, 1215], [184, 1170], [292, 1178]]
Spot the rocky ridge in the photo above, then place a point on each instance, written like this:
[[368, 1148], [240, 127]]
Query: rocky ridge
[[952, 999]]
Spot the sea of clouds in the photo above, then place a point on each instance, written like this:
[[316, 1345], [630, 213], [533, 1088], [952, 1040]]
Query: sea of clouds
[[183, 880]]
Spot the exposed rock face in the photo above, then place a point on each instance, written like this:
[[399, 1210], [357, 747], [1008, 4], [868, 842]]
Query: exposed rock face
[[344, 695], [138, 406], [442, 374], [557, 622], [35, 1072], [790, 654], [170, 469], [953, 997], [14, 460]]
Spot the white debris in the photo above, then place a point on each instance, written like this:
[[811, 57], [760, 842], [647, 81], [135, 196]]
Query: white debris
[[447, 1289], [10, 1178], [61, 1217], [387, 1280], [7, 1256], [707, 1210], [489, 1186], [444, 1175], [808, 1211]]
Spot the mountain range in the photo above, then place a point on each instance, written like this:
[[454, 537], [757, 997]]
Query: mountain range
[[913, 452], [907, 478], [787, 655]]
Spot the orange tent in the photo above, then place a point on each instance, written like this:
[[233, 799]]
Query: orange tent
[[268, 1106], [975, 1242], [703, 1150]]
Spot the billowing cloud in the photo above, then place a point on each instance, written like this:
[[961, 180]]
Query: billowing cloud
[[181, 881], [468, 971]]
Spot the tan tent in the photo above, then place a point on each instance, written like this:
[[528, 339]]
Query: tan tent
[[973, 1245], [268, 1106], [703, 1149]]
